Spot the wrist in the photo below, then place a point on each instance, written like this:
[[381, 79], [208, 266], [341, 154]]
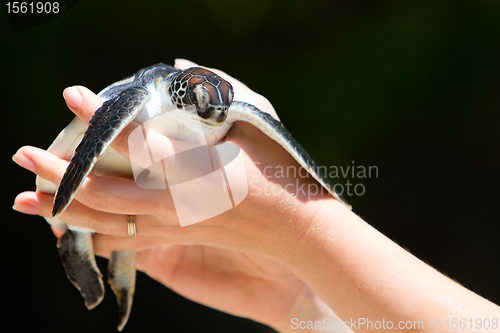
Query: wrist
[[314, 233]]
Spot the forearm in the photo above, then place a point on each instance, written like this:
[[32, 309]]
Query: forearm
[[360, 273]]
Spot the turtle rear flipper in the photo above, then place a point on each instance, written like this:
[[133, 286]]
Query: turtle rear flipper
[[77, 256], [121, 277]]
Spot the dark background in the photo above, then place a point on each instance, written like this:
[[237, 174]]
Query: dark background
[[411, 87]]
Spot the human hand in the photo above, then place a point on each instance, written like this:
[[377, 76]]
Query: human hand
[[227, 262]]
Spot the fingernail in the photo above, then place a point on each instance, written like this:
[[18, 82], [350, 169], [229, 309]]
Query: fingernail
[[24, 161], [25, 208], [57, 232], [73, 97], [184, 63]]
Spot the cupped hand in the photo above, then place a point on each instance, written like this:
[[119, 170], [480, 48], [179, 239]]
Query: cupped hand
[[229, 262]]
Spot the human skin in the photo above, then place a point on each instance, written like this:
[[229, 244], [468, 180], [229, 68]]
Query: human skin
[[273, 257]]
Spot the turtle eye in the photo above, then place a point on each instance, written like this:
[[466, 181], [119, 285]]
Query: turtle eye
[[202, 98]]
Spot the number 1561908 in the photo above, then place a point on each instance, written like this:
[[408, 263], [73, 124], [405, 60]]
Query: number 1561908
[[478, 323], [32, 7]]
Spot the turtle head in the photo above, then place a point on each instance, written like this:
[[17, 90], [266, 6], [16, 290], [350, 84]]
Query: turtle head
[[210, 94]]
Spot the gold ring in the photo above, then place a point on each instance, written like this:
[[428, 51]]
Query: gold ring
[[132, 230]]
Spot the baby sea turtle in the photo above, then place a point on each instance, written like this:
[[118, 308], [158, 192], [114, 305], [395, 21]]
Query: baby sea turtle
[[197, 94]]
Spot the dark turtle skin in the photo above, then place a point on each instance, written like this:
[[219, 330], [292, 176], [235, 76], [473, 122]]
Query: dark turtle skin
[[145, 95]]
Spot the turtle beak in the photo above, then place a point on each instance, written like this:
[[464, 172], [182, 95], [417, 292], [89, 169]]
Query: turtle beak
[[214, 116], [220, 114]]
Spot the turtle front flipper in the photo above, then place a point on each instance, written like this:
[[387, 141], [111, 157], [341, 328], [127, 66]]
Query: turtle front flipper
[[121, 277], [77, 256], [241, 111], [104, 126]]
